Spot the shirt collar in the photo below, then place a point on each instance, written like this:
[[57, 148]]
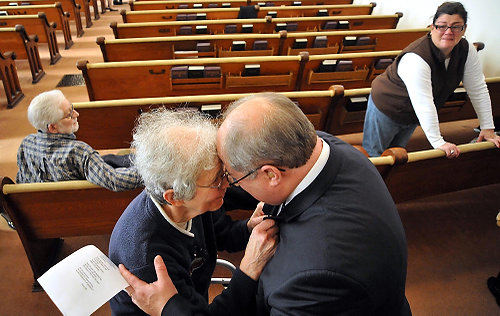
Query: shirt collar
[[186, 231], [55, 135], [313, 173]]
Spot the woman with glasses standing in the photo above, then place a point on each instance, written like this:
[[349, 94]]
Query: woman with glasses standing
[[420, 80], [179, 218]]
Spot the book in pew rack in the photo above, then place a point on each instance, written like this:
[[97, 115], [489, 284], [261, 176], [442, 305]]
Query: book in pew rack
[[82, 282]]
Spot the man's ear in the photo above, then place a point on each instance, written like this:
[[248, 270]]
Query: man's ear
[[52, 128], [273, 174], [169, 197]]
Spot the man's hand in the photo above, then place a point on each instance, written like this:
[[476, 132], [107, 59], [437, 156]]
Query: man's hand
[[256, 218], [260, 248], [150, 297], [489, 135], [450, 149]]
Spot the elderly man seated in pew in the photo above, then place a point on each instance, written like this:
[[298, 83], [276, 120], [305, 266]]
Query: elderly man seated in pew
[[54, 153], [179, 217]]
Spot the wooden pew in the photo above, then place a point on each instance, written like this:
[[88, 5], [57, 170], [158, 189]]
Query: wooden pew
[[155, 11], [360, 76], [349, 107], [39, 25], [142, 79], [281, 43], [378, 40], [118, 132], [8, 75], [45, 212], [54, 13], [266, 25], [26, 47], [153, 78], [173, 47], [238, 3], [425, 173], [67, 6]]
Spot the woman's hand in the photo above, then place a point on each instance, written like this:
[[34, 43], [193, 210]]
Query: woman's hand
[[260, 248], [256, 218], [150, 297], [489, 135], [450, 149]]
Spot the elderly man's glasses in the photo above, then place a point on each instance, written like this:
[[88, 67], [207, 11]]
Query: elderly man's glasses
[[235, 182], [454, 28], [70, 115]]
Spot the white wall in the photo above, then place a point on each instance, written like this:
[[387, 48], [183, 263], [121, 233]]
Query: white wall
[[483, 23]]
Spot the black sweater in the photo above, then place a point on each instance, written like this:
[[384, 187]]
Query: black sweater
[[142, 232]]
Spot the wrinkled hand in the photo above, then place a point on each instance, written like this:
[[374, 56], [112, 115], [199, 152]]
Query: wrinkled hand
[[450, 149], [260, 248], [256, 218], [150, 297], [489, 135]]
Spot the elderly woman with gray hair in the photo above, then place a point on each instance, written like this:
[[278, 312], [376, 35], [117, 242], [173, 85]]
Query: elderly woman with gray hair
[[179, 217]]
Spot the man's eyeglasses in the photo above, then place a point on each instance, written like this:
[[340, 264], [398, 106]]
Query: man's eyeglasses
[[217, 183], [70, 115], [454, 28], [234, 182]]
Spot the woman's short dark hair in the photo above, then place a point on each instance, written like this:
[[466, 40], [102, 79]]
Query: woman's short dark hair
[[451, 8]]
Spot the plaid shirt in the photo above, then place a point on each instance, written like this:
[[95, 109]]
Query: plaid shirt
[[46, 157]]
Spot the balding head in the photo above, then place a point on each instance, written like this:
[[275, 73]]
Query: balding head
[[266, 128]]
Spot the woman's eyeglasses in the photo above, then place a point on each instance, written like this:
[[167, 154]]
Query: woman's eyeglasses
[[217, 183], [454, 28]]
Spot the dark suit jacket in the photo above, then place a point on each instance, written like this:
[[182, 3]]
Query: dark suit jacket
[[342, 246]]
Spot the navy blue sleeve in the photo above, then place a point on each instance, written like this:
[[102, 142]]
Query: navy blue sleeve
[[230, 235]]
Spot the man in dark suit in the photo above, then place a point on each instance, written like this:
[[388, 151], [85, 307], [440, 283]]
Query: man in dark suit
[[342, 246]]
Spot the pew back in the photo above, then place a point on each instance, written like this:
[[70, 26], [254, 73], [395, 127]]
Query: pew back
[[265, 25], [117, 133], [9, 78], [187, 46], [174, 4], [156, 11], [221, 45], [26, 47], [44, 212], [39, 25], [142, 79], [54, 13], [360, 75], [67, 6]]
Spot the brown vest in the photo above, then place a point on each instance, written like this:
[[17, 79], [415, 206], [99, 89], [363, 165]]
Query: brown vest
[[389, 92]]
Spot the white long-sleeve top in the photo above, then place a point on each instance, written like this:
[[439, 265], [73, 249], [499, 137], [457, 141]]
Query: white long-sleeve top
[[416, 75]]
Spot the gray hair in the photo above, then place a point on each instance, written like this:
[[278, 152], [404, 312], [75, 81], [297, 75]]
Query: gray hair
[[283, 136], [172, 148], [45, 109]]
